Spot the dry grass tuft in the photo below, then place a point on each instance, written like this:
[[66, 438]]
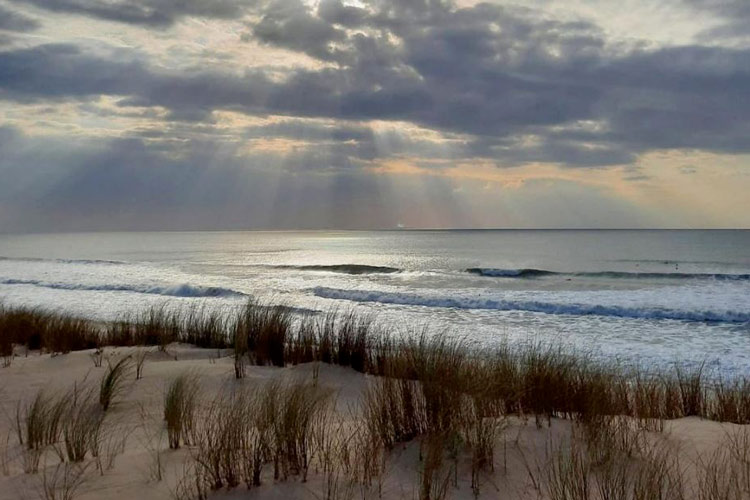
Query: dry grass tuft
[[266, 330], [434, 476], [731, 402], [41, 419], [658, 475], [738, 444], [63, 481], [113, 382], [82, 426], [205, 328], [692, 391], [180, 402], [569, 473], [242, 431], [140, 356]]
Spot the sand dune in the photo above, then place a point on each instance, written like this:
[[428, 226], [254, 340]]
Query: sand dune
[[522, 452]]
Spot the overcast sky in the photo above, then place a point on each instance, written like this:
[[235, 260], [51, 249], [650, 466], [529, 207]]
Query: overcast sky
[[249, 114]]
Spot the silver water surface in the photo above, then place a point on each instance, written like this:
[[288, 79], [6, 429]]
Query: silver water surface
[[644, 296]]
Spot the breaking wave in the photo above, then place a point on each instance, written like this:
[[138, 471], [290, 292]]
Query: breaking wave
[[576, 309], [508, 273], [344, 268], [532, 273], [177, 290], [64, 261]]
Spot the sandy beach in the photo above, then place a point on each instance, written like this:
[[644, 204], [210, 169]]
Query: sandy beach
[[136, 438]]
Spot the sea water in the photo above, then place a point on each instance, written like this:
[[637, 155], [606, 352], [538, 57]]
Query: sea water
[[649, 297]]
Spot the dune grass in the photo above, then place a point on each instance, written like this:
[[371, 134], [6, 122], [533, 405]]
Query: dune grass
[[429, 389], [50, 332], [180, 401], [542, 380], [83, 425], [112, 384], [242, 432]]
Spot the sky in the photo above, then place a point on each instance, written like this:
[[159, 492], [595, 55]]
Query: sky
[[373, 114]]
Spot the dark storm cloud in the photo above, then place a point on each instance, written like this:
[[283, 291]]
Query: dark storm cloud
[[14, 21], [492, 74], [289, 24], [63, 71], [145, 12], [335, 12]]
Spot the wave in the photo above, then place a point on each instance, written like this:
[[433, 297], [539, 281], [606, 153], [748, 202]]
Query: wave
[[534, 306], [533, 273], [64, 261], [508, 273], [178, 290], [344, 268]]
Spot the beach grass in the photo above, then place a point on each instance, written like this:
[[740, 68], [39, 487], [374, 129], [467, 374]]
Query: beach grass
[[431, 390], [532, 378]]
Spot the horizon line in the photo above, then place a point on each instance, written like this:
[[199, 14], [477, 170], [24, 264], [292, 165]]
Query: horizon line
[[390, 229]]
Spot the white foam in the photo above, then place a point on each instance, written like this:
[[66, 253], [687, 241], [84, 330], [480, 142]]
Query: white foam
[[174, 290], [538, 306]]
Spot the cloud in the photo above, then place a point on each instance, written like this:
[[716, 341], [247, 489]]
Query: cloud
[[15, 21], [92, 183], [499, 76], [734, 18], [144, 12], [335, 12], [289, 24]]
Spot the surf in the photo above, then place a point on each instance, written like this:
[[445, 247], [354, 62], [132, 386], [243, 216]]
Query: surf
[[173, 290], [534, 306]]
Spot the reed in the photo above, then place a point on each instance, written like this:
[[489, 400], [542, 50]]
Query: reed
[[658, 475], [434, 479], [62, 481], [267, 330], [730, 402], [63, 334], [692, 390], [613, 478], [205, 328], [180, 400], [326, 336], [394, 410], [6, 351], [42, 419], [239, 343], [569, 474], [112, 384], [23, 326], [39, 424], [157, 326], [537, 379], [737, 443], [719, 477], [140, 356], [41, 330], [82, 425], [242, 431], [303, 345]]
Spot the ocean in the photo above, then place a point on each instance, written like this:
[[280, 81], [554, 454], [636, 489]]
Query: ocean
[[649, 297]]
